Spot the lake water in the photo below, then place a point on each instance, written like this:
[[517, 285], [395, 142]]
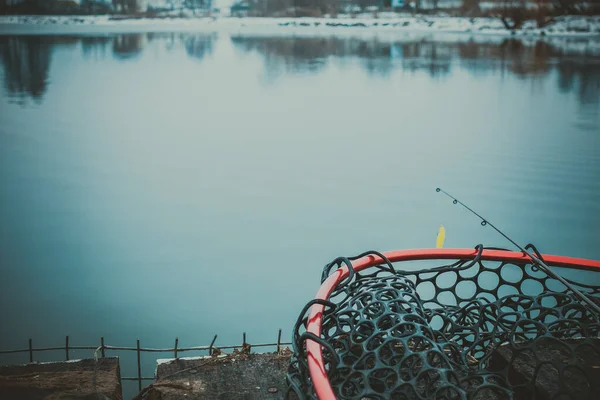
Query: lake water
[[163, 185]]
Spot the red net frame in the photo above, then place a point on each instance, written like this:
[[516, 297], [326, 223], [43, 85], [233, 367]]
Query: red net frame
[[314, 354]]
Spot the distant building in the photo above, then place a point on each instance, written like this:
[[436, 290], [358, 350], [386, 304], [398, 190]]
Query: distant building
[[398, 3]]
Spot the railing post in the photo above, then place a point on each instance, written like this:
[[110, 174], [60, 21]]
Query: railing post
[[176, 343], [279, 341], [30, 351], [67, 348], [210, 348], [139, 366], [244, 341], [102, 345]]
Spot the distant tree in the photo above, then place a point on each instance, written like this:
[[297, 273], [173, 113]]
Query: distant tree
[[269, 7], [94, 6], [512, 13], [368, 3], [197, 4], [125, 6], [543, 15], [36, 5], [569, 6], [470, 7]]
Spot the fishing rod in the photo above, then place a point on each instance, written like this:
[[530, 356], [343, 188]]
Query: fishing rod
[[540, 263]]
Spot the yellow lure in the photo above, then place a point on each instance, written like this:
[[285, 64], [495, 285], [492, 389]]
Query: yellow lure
[[439, 243]]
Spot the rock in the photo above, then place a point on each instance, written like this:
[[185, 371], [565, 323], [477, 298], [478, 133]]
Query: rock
[[538, 367], [77, 379], [231, 376]]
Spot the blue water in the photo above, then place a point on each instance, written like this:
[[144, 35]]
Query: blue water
[[154, 186]]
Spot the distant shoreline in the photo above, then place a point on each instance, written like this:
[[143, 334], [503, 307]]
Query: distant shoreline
[[568, 26]]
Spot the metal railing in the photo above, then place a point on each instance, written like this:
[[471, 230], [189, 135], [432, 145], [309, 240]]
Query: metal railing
[[138, 349]]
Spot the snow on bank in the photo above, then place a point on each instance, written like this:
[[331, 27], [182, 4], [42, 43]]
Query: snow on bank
[[169, 360], [564, 26]]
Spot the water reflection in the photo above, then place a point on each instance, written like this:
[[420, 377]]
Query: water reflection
[[199, 46], [585, 78], [127, 46], [95, 47], [26, 59], [433, 57], [575, 61], [26, 63], [168, 40]]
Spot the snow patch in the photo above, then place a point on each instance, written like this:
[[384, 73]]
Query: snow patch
[[168, 360], [564, 26], [48, 362]]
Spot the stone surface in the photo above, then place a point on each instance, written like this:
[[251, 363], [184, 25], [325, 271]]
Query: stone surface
[[77, 379], [239, 375], [542, 364]]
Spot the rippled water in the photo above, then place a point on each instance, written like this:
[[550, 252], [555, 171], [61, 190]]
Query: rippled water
[[163, 185]]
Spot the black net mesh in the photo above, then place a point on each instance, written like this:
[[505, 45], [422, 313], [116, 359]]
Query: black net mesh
[[466, 330]]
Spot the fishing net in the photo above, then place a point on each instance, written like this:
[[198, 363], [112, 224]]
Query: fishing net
[[469, 329]]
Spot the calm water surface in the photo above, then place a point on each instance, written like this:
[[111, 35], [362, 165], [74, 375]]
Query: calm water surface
[[154, 186]]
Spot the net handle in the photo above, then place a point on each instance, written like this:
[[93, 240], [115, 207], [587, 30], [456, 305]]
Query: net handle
[[314, 354]]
